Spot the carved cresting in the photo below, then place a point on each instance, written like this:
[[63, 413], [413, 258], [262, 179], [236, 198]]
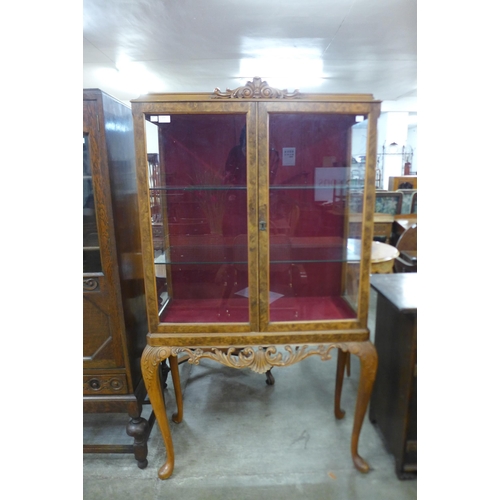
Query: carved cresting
[[257, 89]]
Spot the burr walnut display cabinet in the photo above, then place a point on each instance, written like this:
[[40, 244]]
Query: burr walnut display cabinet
[[245, 199], [114, 309]]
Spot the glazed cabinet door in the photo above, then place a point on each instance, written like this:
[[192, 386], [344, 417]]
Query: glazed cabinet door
[[201, 216], [310, 188], [101, 319]]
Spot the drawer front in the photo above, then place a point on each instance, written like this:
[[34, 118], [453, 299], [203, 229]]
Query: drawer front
[[105, 384]]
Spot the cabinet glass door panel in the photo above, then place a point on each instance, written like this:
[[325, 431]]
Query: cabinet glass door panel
[[313, 257], [91, 249], [199, 216]]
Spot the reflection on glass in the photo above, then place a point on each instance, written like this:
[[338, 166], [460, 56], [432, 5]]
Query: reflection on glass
[[91, 251], [199, 217], [313, 188]]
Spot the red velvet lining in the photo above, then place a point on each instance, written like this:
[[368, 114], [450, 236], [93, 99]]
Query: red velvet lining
[[235, 310], [310, 308]]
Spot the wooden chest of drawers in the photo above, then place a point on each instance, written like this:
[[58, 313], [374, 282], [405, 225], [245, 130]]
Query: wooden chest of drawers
[[393, 405]]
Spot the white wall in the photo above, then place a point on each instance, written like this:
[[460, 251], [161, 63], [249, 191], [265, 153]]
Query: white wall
[[396, 127], [412, 143], [359, 136]]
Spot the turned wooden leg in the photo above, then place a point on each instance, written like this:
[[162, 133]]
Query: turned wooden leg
[[269, 378], [368, 357], [341, 361], [138, 428], [174, 370], [150, 364]]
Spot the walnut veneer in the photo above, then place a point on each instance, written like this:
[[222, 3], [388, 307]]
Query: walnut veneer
[[241, 264]]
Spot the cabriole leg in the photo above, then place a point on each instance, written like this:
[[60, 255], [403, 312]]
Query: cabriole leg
[[341, 362], [174, 370], [150, 364], [368, 358]]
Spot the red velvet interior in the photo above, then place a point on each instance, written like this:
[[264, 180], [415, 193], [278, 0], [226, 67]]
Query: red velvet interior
[[236, 310], [194, 154]]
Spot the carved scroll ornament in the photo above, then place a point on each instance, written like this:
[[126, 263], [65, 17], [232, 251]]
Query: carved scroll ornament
[[257, 89], [258, 359]]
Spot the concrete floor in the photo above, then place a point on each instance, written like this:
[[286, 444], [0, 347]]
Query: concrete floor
[[242, 439]]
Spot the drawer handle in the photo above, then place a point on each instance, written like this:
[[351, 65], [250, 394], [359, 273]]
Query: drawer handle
[[94, 384]]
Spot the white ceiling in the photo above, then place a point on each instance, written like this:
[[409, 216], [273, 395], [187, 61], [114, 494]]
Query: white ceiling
[[132, 47]]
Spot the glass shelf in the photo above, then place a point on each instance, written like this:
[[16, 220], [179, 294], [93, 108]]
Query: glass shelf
[[198, 188]]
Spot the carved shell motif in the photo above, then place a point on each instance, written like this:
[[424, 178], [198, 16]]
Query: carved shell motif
[[257, 89], [259, 360]]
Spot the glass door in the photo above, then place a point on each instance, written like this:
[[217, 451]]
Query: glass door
[[311, 198], [91, 248], [203, 211]]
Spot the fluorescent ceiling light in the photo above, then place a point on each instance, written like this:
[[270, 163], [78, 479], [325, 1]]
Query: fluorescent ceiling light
[[282, 62], [130, 77]]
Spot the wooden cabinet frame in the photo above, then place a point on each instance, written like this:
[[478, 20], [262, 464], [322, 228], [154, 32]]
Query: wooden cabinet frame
[[114, 309], [257, 344]]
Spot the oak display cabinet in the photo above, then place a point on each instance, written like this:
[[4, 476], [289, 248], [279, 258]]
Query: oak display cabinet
[[114, 309], [244, 217]]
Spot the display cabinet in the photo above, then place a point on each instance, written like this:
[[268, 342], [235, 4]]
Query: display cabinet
[[247, 250], [114, 309]]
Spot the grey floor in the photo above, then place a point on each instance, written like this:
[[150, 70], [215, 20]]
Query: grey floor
[[242, 439]]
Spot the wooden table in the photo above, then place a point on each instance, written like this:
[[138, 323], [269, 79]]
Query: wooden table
[[382, 256], [382, 225], [393, 405]]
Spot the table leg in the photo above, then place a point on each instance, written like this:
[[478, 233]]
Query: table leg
[[341, 362], [174, 369], [368, 358], [139, 429], [150, 364]]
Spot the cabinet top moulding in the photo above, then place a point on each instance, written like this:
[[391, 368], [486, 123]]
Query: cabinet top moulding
[[255, 90], [207, 96]]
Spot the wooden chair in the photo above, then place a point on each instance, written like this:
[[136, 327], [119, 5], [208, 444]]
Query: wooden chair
[[356, 202], [407, 200], [413, 209], [284, 216], [406, 262]]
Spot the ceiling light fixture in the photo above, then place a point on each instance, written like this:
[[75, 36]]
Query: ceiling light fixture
[[283, 63]]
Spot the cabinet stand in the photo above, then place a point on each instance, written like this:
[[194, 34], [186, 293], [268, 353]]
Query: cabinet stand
[[260, 360]]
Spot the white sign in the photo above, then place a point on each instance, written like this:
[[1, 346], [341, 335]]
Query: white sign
[[288, 157]]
